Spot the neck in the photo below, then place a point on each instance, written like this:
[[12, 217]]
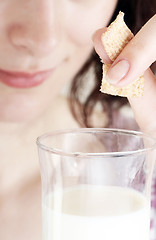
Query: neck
[[18, 150]]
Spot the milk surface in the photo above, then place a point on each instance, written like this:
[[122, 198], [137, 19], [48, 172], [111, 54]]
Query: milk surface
[[96, 213]]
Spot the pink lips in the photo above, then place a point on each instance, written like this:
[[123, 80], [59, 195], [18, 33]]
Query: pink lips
[[24, 80]]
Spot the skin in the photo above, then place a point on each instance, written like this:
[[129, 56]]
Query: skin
[[38, 35], [143, 44]]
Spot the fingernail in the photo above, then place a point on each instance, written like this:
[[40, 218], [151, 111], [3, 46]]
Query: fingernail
[[117, 72]]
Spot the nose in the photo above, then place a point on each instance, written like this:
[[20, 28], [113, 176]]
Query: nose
[[34, 29]]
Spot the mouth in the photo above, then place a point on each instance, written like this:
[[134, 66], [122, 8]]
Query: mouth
[[24, 80]]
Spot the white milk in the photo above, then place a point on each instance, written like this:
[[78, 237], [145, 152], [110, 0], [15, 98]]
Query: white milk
[[96, 213]]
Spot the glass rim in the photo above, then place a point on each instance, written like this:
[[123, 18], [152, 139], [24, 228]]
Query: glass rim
[[101, 154]]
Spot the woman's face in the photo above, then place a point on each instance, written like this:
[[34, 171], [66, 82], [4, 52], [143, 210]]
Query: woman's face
[[43, 44]]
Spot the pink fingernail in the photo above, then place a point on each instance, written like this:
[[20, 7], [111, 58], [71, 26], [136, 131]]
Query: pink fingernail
[[117, 72]]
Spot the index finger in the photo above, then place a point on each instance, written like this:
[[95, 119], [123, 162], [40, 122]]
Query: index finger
[[99, 48]]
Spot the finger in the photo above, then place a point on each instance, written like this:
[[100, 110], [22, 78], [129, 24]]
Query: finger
[[136, 57], [99, 48], [144, 107]]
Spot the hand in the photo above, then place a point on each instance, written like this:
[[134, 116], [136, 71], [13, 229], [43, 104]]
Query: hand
[[138, 55]]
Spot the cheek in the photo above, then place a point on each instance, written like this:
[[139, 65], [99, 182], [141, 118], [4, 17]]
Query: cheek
[[81, 23]]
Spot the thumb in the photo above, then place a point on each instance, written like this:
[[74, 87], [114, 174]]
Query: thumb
[[136, 57]]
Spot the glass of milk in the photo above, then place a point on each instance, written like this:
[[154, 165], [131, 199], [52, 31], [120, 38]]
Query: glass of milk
[[96, 184]]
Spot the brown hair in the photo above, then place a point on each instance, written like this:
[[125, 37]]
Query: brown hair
[[137, 13]]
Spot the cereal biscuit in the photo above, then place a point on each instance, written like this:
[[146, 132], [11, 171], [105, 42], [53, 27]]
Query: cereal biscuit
[[114, 40]]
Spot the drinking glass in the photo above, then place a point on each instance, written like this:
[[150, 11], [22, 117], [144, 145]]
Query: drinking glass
[[96, 184]]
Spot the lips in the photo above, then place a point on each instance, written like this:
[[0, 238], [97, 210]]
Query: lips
[[24, 80]]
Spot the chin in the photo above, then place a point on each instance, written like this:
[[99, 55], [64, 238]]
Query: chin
[[17, 115], [19, 108]]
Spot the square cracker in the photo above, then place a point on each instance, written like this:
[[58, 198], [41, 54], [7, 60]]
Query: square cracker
[[114, 40]]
